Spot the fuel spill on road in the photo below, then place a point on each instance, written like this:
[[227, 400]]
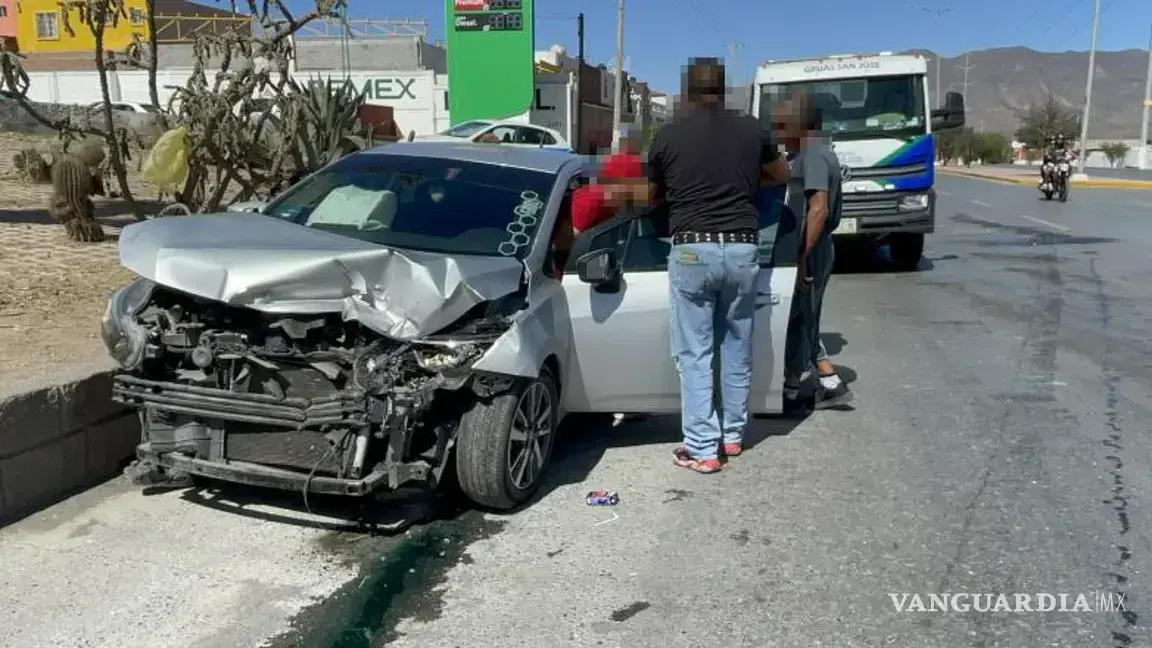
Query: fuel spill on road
[[399, 579]]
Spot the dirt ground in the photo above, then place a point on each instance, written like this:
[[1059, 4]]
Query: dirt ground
[[52, 290]]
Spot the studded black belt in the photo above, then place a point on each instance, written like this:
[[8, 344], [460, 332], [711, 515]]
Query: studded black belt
[[739, 236]]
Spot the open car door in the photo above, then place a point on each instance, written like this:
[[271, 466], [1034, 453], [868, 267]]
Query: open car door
[[621, 358]]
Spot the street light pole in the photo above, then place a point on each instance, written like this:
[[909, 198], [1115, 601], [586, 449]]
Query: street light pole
[[939, 13], [1083, 157], [1147, 108], [618, 69]]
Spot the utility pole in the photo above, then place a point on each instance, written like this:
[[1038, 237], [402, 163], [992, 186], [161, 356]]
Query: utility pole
[[966, 68], [618, 99], [1147, 108], [578, 118], [732, 75], [1082, 159]]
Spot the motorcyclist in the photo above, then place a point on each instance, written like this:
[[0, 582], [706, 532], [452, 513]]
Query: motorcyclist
[[1057, 150]]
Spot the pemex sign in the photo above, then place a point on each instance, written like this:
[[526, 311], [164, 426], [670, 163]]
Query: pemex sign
[[491, 47]]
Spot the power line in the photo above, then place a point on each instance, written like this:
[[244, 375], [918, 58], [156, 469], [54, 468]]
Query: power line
[[1079, 30]]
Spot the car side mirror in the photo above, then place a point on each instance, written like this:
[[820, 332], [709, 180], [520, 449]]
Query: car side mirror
[[600, 268]]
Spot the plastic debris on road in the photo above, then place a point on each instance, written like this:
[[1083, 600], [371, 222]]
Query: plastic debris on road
[[603, 498]]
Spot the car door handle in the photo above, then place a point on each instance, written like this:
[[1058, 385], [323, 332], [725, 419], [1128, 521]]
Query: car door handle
[[766, 299]]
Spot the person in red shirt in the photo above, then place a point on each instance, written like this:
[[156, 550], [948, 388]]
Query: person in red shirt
[[620, 177]]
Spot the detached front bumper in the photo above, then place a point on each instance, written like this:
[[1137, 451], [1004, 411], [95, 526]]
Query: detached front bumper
[[255, 439], [877, 214]]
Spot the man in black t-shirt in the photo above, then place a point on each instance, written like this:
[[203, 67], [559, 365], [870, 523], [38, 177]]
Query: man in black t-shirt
[[707, 166]]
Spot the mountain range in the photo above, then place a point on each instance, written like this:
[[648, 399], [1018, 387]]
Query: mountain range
[[1003, 82]]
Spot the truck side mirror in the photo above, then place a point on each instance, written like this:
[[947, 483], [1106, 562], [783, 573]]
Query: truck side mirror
[[951, 115]]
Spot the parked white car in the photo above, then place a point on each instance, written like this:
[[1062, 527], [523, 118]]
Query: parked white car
[[398, 310], [504, 132], [129, 106]]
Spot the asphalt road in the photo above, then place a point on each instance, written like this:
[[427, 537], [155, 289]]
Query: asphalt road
[[998, 445], [1095, 172]]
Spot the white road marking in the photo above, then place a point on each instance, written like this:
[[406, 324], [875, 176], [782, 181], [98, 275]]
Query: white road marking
[[946, 193], [979, 202], [1058, 228]]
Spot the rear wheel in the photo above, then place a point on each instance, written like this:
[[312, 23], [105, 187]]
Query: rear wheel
[[906, 250], [505, 444], [1047, 195]]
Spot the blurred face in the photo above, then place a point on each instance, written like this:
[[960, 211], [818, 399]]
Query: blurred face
[[788, 125]]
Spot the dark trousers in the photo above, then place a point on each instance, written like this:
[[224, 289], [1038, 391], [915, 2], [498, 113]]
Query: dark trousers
[[802, 348]]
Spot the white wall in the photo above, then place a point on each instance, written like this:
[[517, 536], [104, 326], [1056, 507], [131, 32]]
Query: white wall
[[419, 99]]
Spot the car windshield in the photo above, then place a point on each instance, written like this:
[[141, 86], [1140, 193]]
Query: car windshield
[[467, 129], [858, 108], [150, 108], [422, 203]]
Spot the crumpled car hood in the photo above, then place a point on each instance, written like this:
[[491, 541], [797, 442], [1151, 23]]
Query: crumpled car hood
[[274, 266]]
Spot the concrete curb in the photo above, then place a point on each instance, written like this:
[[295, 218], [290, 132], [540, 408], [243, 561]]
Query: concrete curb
[[1100, 183], [60, 440]]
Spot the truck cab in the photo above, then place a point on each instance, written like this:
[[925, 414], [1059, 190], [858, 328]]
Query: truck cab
[[875, 109]]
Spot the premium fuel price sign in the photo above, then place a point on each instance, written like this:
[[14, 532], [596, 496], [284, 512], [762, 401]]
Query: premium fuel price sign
[[488, 15]]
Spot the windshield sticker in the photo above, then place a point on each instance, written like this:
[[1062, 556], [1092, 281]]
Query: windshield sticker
[[526, 218]]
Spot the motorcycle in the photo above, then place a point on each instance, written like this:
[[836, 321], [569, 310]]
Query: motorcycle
[[1054, 180]]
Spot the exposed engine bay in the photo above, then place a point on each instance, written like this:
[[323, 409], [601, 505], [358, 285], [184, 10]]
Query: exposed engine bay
[[271, 399]]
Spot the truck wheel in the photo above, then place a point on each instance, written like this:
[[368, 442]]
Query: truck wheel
[[504, 445], [906, 250]]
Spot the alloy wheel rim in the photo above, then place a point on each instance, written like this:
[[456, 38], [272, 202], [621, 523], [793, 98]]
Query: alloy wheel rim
[[530, 436]]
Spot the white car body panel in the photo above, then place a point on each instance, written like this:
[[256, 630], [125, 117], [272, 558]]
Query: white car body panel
[[621, 356]]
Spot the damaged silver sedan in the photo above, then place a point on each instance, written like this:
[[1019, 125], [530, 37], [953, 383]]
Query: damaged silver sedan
[[406, 310]]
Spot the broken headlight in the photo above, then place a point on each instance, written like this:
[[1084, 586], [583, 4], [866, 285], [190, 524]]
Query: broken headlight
[[124, 338], [447, 355]]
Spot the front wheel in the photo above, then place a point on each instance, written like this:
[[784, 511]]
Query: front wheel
[[906, 251], [504, 445]]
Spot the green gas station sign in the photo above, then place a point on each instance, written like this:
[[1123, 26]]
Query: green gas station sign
[[491, 58]]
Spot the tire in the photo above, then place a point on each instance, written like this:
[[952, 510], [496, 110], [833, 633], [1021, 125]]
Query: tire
[[486, 451], [1047, 195], [906, 251]]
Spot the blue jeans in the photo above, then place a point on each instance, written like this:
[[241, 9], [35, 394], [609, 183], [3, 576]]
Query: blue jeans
[[713, 290]]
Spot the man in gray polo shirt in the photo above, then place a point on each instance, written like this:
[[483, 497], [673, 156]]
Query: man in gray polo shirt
[[814, 199]]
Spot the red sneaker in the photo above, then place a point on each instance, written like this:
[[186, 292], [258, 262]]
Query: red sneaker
[[732, 449], [685, 460]]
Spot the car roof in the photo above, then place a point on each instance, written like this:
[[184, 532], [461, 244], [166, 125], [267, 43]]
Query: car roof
[[522, 157]]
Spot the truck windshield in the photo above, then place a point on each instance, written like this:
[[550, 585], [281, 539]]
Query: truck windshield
[[858, 108]]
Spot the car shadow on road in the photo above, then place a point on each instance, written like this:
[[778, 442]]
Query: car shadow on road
[[585, 439], [386, 513]]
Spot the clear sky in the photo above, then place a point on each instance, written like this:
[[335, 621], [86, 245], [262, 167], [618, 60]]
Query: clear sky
[[661, 34]]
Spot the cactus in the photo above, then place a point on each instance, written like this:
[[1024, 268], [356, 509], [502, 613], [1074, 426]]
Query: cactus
[[31, 166], [73, 183]]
